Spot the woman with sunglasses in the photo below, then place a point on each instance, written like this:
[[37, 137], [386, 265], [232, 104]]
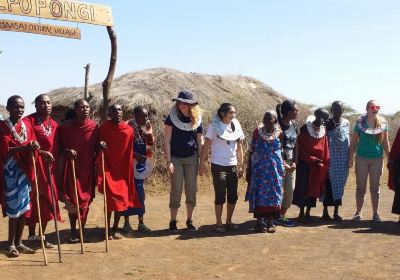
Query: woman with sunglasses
[[183, 141], [370, 141], [224, 136]]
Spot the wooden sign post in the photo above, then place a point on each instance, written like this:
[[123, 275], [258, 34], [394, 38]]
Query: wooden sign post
[[65, 10], [38, 28]]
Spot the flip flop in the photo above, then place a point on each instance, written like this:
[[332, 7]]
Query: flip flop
[[12, 252], [25, 249]]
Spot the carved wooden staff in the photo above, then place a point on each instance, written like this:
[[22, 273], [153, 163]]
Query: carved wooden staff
[[54, 202], [38, 210], [78, 213], [105, 199]]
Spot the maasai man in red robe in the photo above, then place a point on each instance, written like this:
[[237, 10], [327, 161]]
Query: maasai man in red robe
[[313, 165], [17, 174], [79, 137], [116, 139], [47, 134]]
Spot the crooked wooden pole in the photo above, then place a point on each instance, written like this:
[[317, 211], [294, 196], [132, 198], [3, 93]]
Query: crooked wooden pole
[[111, 71], [86, 92]]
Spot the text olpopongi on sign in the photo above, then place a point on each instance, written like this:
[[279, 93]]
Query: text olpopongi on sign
[[59, 10]]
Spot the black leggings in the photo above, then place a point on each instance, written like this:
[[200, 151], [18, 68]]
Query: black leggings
[[225, 181]]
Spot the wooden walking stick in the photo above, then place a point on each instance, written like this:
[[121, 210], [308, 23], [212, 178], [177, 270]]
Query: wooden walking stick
[[38, 209], [54, 202], [105, 199], [78, 213]]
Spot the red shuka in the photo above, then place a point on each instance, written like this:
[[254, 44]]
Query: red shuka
[[83, 139], [118, 165], [314, 152], [51, 144], [24, 159], [394, 155]]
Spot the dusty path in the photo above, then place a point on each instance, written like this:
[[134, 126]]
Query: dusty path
[[320, 251]]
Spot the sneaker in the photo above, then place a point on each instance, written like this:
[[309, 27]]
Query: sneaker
[[172, 226], [356, 217], [284, 221], [190, 226], [376, 218]]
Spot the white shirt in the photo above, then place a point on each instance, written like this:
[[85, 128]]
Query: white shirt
[[223, 152]]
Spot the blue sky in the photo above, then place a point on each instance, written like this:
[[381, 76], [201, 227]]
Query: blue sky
[[312, 51]]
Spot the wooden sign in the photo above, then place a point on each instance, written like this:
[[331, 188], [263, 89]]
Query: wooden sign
[[43, 29], [66, 10]]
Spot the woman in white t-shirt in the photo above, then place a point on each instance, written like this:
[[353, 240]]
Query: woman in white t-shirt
[[224, 136]]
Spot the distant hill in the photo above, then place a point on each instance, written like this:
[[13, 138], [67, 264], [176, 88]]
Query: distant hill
[[156, 88], [3, 111]]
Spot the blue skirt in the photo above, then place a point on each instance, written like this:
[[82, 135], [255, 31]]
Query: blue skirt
[[17, 189], [139, 186]]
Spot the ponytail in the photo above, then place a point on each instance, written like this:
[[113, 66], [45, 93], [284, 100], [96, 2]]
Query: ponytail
[[278, 112]]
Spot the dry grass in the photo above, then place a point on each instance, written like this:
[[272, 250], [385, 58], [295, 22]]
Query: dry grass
[[3, 111], [155, 88]]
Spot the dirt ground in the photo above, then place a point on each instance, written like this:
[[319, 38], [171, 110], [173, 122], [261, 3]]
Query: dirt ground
[[322, 250]]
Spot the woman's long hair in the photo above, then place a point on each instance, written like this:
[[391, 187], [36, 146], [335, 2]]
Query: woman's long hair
[[195, 113], [223, 110], [378, 123]]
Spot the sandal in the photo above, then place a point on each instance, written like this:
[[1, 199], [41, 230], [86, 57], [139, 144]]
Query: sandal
[[117, 236], [143, 228], [336, 217], [260, 227], [127, 228], [25, 249], [232, 227], [48, 245], [326, 217], [12, 252], [271, 228], [220, 228]]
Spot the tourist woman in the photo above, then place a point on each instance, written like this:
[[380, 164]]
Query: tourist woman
[[183, 141], [370, 142], [265, 173], [287, 114], [224, 136]]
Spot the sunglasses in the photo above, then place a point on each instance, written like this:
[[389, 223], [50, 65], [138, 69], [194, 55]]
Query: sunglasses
[[375, 107], [184, 103]]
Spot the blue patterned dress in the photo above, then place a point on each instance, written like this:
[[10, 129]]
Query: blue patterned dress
[[264, 192], [339, 143]]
